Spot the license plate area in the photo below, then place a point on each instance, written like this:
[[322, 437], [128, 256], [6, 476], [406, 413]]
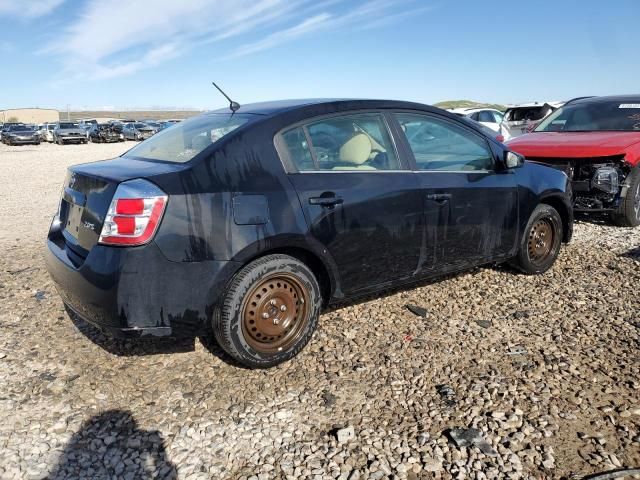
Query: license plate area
[[73, 219]]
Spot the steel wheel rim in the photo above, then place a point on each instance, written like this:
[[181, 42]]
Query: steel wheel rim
[[275, 313], [541, 240], [636, 202]]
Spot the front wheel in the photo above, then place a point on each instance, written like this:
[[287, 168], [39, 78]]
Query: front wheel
[[628, 214], [540, 243], [269, 311]]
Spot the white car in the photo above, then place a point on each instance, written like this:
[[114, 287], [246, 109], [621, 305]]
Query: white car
[[46, 132], [523, 118], [489, 117]]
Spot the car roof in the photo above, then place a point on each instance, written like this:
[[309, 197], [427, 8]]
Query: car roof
[[608, 98], [466, 110], [535, 104], [327, 104]]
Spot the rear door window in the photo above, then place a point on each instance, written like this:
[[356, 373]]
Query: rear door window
[[486, 116], [440, 145], [359, 142]]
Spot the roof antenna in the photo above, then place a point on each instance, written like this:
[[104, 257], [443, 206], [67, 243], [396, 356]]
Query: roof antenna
[[234, 106]]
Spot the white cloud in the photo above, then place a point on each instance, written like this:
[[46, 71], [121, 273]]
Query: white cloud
[[312, 24], [108, 39], [28, 8]]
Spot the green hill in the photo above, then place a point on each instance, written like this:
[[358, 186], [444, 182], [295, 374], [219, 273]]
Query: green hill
[[468, 103]]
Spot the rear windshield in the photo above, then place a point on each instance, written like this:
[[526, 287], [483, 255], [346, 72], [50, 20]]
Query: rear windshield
[[522, 114], [185, 140], [596, 116]]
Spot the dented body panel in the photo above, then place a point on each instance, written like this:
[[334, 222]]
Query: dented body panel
[[234, 202]]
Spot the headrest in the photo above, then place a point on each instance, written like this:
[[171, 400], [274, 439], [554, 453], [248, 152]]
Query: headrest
[[356, 150]]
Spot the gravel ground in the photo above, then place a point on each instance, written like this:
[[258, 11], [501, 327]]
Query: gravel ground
[[547, 369]]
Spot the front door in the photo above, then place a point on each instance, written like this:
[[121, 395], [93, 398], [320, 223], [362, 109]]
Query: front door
[[360, 203], [471, 208]]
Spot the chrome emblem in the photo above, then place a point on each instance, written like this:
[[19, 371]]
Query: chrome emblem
[[89, 225]]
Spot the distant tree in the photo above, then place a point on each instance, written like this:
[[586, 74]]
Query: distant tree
[[12, 120]]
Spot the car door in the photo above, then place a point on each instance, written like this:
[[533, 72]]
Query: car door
[[361, 204], [470, 204]]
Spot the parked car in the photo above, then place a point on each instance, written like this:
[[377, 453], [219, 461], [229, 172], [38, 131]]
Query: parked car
[[5, 128], [489, 117], [104, 133], [249, 223], [488, 131], [87, 125], [596, 142], [521, 119], [157, 126], [69, 132], [137, 131], [47, 132], [21, 135]]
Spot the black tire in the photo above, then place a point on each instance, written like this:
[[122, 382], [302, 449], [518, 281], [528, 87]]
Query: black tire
[[537, 253], [285, 280], [628, 214]]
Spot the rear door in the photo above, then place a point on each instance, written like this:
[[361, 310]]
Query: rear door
[[359, 201], [470, 207]]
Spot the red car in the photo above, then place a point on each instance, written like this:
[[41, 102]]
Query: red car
[[596, 142]]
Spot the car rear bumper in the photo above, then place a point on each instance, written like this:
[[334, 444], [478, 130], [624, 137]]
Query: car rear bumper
[[73, 139], [133, 292]]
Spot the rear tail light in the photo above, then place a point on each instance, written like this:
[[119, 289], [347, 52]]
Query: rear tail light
[[134, 214]]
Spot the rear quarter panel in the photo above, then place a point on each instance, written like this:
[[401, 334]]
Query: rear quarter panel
[[200, 222]]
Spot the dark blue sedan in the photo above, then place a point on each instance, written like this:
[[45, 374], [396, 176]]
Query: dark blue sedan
[[247, 224]]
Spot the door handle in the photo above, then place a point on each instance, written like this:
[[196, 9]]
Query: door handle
[[326, 201], [439, 197]]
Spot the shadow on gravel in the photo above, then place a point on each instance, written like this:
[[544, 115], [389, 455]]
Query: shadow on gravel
[[148, 346], [593, 219], [210, 345], [634, 253], [111, 445], [133, 347]]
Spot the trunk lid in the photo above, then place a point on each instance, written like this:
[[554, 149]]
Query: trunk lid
[[87, 193]]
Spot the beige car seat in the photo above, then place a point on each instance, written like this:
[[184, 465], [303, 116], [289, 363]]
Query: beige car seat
[[355, 152]]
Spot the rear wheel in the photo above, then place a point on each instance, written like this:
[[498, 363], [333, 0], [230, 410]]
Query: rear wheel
[[628, 214], [269, 311], [540, 243]]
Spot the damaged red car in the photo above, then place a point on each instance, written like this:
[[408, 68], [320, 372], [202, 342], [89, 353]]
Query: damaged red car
[[596, 142]]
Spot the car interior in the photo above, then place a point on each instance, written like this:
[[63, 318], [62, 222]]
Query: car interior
[[361, 143]]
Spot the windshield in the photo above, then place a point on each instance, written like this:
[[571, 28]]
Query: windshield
[[69, 125], [185, 140], [21, 128], [523, 114], [595, 116], [139, 125]]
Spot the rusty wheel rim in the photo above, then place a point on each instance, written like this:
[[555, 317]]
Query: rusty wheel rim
[[541, 240], [275, 313]]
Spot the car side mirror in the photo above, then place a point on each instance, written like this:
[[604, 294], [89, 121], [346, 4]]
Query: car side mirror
[[513, 160]]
